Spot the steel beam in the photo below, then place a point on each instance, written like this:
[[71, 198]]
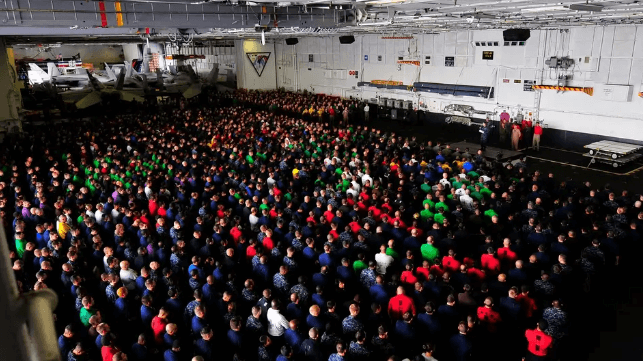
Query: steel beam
[[162, 14]]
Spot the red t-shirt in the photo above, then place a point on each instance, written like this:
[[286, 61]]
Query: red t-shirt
[[506, 254], [437, 270], [488, 317], [476, 274], [490, 263], [450, 264], [399, 305], [399, 220], [329, 215], [235, 233], [355, 227], [527, 304], [539, 342], [268, 243], [377, 213], [538, 130], [410, 229], [363, 207], [422, 271], [408, 277], [161, 212], [108, 352], [158, 327], [153, 207], [387, 208], [251, 251]]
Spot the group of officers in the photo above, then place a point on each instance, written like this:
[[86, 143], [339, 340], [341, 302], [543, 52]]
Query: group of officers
[[521, 131]]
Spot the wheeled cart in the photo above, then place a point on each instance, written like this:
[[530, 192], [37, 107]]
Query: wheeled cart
[[615, 153]]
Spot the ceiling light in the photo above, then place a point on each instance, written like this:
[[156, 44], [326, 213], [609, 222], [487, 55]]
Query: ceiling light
[[543, 9], [384, 2], [381, 23]]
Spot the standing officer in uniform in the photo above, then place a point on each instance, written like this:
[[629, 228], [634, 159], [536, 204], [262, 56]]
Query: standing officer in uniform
[[484, 135], [505, 127]]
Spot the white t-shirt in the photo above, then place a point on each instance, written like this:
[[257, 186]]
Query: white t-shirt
[[383, 261], [253, 220], [99, 217], [129, 279], [365, 178], [277, 323], [356, 186], [466, 201]]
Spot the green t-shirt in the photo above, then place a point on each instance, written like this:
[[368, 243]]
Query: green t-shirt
[[393, 253], [439, 218], [486, 192], [425, 188], [86, 314], [476, 195], [429, 252], [426, 215], [430, 202], [20, 246], [441, 205], [490, 213], [359, 266]]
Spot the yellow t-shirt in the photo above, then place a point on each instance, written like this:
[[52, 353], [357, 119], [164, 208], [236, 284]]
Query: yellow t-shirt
[[63, 229]]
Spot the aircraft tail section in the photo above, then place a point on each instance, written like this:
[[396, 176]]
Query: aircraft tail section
[[110, 72], [52, 70]]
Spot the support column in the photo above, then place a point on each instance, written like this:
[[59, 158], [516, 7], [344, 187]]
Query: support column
[[10, 100]]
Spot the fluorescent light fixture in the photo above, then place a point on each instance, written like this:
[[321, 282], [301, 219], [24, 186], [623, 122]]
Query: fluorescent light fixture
[[380, 23], [384, 2], [263, 37], [543, 9]]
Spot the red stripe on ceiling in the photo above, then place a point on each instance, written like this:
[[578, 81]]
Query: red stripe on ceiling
[[103, 16]]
